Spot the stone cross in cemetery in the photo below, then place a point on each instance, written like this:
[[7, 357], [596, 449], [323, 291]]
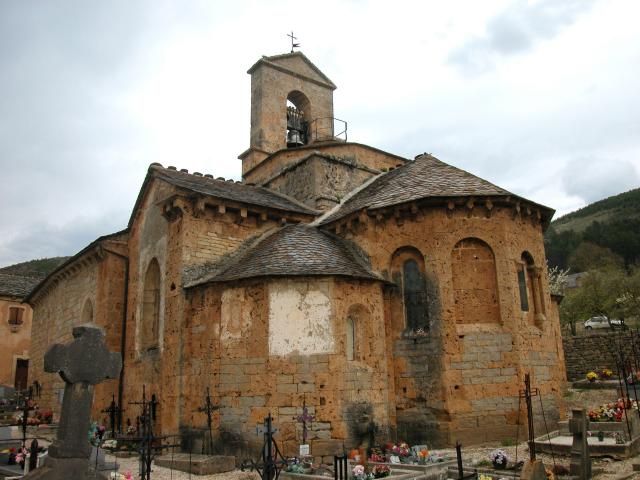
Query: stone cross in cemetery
[[580, 459], [82, 363]]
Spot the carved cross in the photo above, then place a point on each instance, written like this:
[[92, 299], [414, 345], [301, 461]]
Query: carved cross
[[580, 458], [82, 363], [304, 418]]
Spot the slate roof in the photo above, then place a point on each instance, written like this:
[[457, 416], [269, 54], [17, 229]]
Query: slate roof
[[230, 190], [17, 285], [425, 177], [294, 250]]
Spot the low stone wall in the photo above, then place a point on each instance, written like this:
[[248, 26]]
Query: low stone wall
[[594, 352]]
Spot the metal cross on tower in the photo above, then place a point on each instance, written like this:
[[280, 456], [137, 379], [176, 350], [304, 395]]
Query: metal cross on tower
[[293, 39], [208, 408], [304, 419]]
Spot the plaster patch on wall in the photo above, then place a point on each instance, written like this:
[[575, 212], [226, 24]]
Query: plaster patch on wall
[[299, 319], [235, 319]]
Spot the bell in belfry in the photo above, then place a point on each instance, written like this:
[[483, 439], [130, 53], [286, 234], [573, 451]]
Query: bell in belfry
[[294, 139]]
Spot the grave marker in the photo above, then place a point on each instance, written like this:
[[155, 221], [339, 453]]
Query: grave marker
[[82, 363], [580, 459]]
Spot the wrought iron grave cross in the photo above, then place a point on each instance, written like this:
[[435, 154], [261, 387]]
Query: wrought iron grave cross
[[208, 408], [304, 419], [114, 411], [527, 393]]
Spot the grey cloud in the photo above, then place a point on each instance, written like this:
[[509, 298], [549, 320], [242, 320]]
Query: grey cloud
[[49, 240], [593, 178], [516, 30]]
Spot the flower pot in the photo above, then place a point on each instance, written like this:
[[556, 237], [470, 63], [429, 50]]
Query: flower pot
[[499, 465]]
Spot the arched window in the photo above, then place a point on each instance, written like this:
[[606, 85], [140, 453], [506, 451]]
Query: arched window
[[298, 119], [150, 325], [530, 286], [410, 300], [475, 283], [358, 320], [87, 312], [351, 338]]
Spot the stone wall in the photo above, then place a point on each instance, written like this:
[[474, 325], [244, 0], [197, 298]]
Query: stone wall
[[96, 277], [595, 352], [321, 182], [475, 397], [363, 155], [186, 240], [257, 366]]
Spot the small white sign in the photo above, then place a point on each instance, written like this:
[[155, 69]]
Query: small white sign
[[394, 459], [304, 450]]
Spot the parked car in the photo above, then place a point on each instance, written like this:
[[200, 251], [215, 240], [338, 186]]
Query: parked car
[[603, 322]]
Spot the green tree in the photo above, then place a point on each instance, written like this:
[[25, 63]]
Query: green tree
[[598, 294], [589, 256]]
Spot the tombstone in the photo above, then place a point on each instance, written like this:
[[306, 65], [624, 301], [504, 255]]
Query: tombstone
[[82, 363], [580, 458], [97, 461]]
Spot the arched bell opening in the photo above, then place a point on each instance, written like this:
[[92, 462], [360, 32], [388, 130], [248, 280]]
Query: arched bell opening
[[298, 119]]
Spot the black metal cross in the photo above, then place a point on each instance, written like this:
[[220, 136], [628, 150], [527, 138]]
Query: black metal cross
[[26, 408], [114, 411], [271, 462], [208, 408], [293, 45], [527, 393], [304, 418]]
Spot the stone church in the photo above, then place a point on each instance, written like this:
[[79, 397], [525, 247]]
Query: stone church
[[404, 298]]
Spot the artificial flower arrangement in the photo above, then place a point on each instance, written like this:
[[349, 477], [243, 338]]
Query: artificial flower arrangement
[[360, 472], [608, 412], [44, 416], [377, 458], [110, 444], [633, 377], [606, 373], [499, 458], [592, 376], [405, 454], [120, 476], [300, 465], [401, 450]]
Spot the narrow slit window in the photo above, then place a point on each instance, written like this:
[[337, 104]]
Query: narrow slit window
[[351, 338]]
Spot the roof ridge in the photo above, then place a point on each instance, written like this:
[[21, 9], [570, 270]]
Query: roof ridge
[[171, 174]]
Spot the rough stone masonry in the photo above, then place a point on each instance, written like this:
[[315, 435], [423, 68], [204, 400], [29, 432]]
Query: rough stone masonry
[[405, 294]]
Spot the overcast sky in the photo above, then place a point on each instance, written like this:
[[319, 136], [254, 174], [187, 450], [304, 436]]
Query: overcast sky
[[541, 98]]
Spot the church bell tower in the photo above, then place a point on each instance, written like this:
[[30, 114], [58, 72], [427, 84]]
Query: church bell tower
[[291, 106]]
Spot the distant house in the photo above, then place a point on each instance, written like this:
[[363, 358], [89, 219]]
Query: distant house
[[573, 281], [15, 328]]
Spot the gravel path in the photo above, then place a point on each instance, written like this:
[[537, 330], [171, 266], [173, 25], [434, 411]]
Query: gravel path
[[161, 473]]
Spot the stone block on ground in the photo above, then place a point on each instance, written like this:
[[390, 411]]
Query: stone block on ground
[[533, 471], [196, 463]]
